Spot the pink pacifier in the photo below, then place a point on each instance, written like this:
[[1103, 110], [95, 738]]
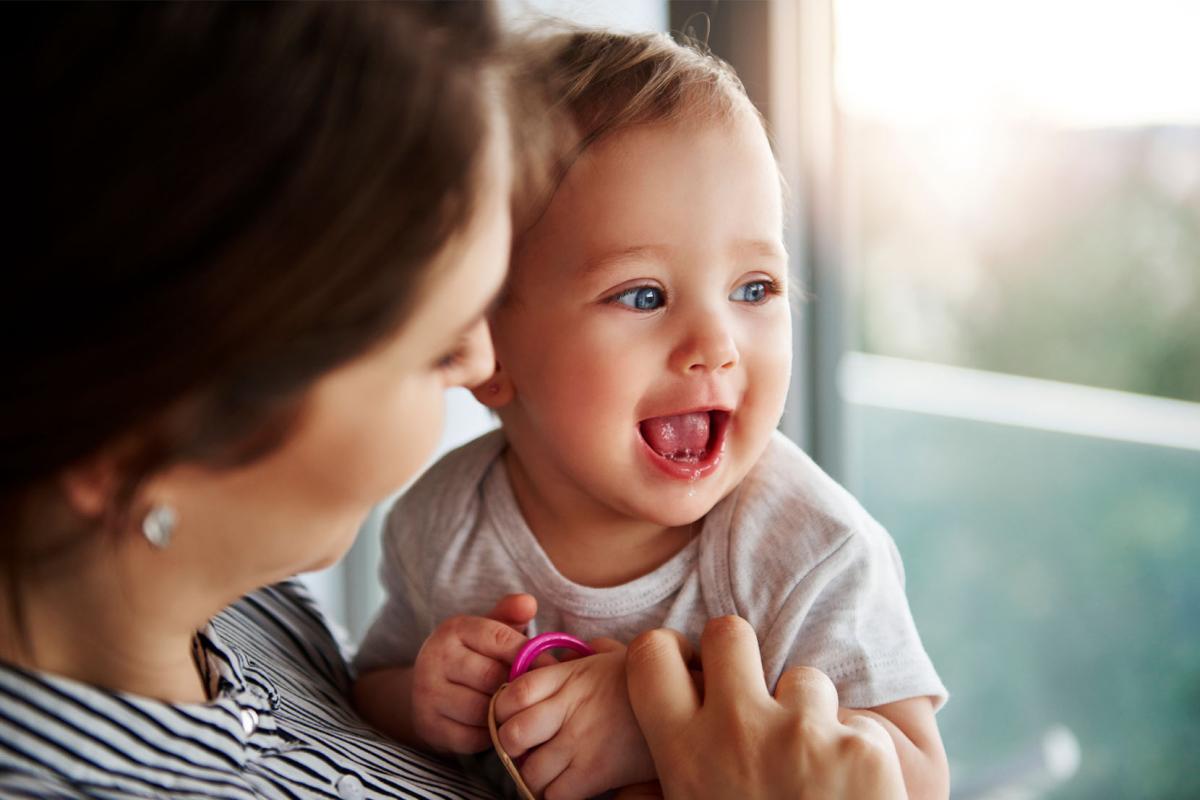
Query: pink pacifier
[[521, 664], [540, 644]]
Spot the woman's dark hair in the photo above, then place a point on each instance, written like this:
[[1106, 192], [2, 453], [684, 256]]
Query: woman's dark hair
[[210, 206]]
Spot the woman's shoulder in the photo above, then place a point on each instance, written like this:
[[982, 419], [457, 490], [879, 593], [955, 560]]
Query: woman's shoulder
[[17, 784], [282, 724], [293, 673], [279, 608], [282, 626], [64, 738]]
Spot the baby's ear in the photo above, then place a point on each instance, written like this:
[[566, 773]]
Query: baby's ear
[[497, 391]]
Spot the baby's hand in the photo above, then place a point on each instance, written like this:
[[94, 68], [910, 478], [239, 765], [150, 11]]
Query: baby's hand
[[577, 714], [458, 669]]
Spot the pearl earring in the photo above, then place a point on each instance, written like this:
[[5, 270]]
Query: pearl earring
[[159, 525]]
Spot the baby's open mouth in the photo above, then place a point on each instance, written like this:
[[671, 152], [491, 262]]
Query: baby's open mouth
[[685, 438]]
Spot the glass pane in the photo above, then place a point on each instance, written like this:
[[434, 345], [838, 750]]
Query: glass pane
[[1023, 186], [1019, 219], [1054, 580]]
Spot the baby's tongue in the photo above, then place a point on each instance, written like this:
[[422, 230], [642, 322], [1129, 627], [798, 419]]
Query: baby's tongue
[[680, 436]]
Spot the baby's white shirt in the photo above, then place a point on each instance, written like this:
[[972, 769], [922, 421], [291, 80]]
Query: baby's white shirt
[[789, 550]]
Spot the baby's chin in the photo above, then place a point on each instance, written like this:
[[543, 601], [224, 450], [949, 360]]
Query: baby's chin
[[678, 510]]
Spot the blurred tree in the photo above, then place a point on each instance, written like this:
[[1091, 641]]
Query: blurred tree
[[1080, 261], [1053, 577]]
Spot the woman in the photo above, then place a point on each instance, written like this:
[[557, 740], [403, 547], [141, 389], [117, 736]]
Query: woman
[[256, 244]]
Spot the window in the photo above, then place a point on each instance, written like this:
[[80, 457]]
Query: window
[[996, 212], [1016, 211]]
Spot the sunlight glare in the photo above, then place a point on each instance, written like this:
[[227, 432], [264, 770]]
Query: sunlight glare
[[1068, 63]]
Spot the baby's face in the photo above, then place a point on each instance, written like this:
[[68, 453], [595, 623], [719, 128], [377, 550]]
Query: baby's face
[[648, 336]]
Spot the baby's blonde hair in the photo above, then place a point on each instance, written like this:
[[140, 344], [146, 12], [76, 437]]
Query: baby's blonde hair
[[597, 82], [608, 81]]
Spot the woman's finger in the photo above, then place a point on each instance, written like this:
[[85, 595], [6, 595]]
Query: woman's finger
[[876, 766], [809, 692], [661, 691], [733, 670], [871, 730]]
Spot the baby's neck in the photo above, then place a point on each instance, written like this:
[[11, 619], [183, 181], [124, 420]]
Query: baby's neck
[[590, 548], [603, 556]]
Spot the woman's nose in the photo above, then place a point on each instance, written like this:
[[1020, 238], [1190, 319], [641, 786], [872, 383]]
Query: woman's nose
[[479, 359], [708, 346]]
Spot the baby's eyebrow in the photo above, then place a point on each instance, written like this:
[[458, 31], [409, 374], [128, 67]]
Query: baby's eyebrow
[[607, 259], [760, 248], [741, 248]]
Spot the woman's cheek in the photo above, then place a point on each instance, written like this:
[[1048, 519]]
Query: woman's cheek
[[388, 438]]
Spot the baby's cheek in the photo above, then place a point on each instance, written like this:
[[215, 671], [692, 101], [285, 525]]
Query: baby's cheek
[[771, 373], [582, 380]]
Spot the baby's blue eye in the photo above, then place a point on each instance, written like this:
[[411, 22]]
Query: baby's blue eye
[[643, 298], [752, 292]]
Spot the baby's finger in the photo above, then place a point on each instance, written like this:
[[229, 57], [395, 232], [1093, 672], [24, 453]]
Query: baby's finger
[[546, 659], [639, 791], [477, 672], [531, 727], [515, 610], [459, 738], [460, 704], [529, 690], [544, 769], [490, 638]]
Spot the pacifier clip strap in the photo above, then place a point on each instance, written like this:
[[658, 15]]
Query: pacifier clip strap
[[521, 664]]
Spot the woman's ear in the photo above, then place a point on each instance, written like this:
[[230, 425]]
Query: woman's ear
[[497, 391], [88, 485]]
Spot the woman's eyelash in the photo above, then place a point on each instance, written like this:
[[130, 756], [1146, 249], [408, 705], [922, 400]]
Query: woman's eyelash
[[451, 359]]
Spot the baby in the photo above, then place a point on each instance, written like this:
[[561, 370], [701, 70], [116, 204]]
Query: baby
[[643, 351]]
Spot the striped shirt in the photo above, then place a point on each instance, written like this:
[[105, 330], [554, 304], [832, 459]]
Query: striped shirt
[[281, 726]]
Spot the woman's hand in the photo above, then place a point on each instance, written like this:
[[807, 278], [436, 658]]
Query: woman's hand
[[578, 717], [732, 739]]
